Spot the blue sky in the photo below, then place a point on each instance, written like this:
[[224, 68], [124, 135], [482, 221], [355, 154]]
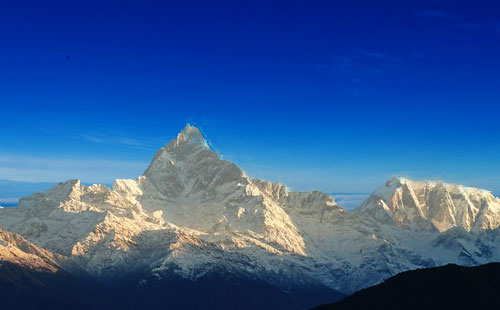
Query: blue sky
[[328, 95]]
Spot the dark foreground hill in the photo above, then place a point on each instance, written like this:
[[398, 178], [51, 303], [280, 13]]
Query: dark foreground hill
[[446, 287]]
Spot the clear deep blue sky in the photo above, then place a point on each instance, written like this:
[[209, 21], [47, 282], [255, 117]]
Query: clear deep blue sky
[[332, 95]]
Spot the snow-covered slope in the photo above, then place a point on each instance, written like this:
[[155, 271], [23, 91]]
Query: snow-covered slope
[[426, 205], [192, 213]]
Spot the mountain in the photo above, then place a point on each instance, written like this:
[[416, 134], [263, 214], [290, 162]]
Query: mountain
[[446, 287], [196, 221], [433, 205]]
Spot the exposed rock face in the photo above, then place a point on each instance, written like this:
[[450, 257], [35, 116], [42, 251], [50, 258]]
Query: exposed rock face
[[17, 250], [192, 213], [431, 205]]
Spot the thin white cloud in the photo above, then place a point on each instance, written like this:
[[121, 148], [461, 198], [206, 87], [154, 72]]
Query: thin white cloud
[[486, 25], [358, 65], [460, 22], [113, 140], [36, 169], [91, 138], [434, 13]]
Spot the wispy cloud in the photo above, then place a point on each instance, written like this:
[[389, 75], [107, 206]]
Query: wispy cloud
[[436, 13], [457, 21], [106, 138], [36, 169], [483, 26], [357, 65]]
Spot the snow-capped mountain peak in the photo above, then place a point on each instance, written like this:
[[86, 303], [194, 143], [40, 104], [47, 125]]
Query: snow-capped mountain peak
[[192, 212], [191, 134], [433, 205]]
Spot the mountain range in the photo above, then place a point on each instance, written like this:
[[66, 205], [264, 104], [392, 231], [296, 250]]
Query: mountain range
[[196, 225]]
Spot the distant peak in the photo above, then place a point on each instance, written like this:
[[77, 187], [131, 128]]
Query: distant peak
[[192, 134], [397, 181]]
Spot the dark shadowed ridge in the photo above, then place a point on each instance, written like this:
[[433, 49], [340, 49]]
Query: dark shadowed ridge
[[26, 288], [446, 287]]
